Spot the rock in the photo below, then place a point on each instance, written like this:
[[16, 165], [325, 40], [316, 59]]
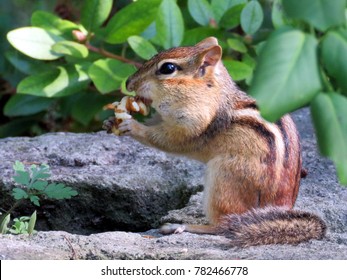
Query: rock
[[122, 184], [125, 186]]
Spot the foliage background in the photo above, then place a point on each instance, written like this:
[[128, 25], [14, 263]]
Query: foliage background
[[73, 57]]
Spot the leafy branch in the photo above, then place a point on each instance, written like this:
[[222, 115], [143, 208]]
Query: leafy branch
[[33, 186]]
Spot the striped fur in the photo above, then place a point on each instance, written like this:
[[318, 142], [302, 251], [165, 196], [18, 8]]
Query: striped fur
[[270, 226], [253, 166]]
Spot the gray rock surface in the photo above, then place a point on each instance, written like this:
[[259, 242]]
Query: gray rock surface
[[124, 186]]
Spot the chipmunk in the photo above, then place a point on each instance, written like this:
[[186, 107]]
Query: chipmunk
[[253, 166]]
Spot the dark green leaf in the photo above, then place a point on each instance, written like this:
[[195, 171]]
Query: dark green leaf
[[34, 200], [62, 81], [94, 13], [322, 14], [40, 172], [131, 20], [220, 7], [252, 17], [107, 74], [22, 178], [287, 76], [86, 105], [334, 54], [250, 61], [142, 47], [238, 70], [237, 45], [52, 23], [40, 185], [232, 17], [194, 36], [70, 48], [34, 42], [26, 64], [201, 11], [24, 105], [170, 25], [277, 14], [330, 121], [16, 127], [59, 191], [18, 194]]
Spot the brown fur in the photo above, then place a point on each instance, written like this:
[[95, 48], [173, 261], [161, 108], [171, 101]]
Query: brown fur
[[251, 164], [270, 226]]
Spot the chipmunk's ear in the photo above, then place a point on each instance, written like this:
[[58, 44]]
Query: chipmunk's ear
[[211, 52], [207, 43], [212, 56]]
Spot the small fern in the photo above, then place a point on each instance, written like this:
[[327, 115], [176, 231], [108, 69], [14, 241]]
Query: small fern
[[32, 185]]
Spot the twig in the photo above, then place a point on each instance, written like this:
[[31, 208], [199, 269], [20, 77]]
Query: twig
[[15, 205], [74, 255], [111, 55]]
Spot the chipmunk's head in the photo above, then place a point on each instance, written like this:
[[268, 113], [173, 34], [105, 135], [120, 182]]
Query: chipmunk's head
[[191, 72]]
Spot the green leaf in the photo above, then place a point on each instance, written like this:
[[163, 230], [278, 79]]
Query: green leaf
[[232, 17], [17, 126], [194, 36], [18, 166], [40, 185], [329, 118], [322, 14], [4, 224], [131, 20], [142, 47], [94, 13], [238, 70], [220, 7], [287, 74], [26, 64], [334, 55], [22, 178], [237, 45], [35, 200], [201, 11], [70, 48], [34, 42], [32, 222], [107, 74], [277, 14], [24, 105], [18, 194], [252, 17], [52, 23], [59, 191], [170, 25], [41, 172], [62, 81], [87, 104]]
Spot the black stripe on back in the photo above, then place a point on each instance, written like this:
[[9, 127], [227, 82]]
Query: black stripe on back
[[280, 124]]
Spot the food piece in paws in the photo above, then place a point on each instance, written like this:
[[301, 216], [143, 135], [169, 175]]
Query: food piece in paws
[[123, 109]]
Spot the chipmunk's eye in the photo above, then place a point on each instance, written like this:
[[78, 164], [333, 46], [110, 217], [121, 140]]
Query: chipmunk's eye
[[168, 68]]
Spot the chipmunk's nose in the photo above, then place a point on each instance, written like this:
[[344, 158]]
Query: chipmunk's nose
[[129, 84]]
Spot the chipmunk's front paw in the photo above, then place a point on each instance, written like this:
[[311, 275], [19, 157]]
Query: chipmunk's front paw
[[130, 127], [172, 229], [109, 124]]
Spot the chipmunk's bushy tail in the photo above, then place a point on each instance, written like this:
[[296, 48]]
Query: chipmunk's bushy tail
[[271, 225]]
